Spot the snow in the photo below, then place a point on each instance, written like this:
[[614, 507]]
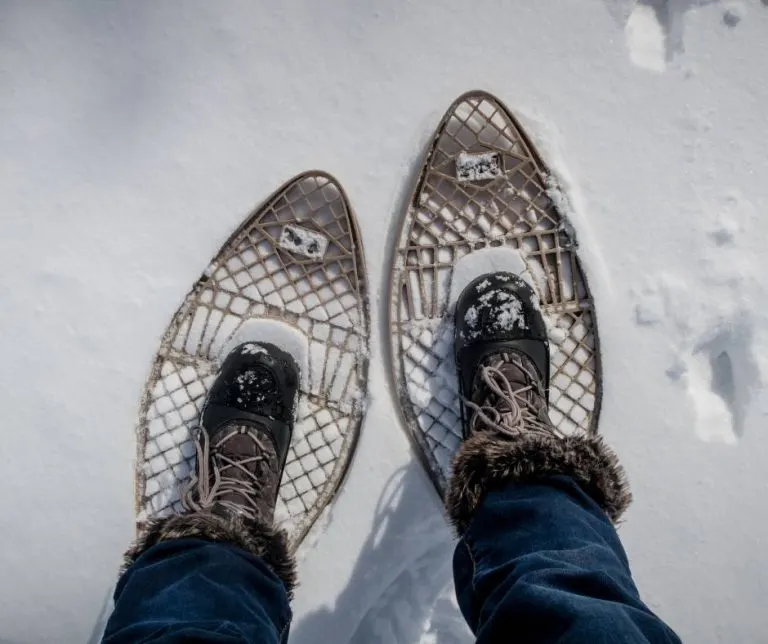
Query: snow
[[478, 167], [508, 313], [282, 335], [483, 261], [136, 137], [470, 317], [252, 349], [645, 39], [483, 285]]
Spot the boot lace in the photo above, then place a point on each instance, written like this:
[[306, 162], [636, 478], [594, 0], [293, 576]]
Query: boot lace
[[508, 409], [219, 477]]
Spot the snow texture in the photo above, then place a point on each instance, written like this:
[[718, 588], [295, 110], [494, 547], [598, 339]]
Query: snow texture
[[487, 260], [135, 138], [645, 39]]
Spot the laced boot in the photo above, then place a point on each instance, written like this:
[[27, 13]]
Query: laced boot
[[502, 358], [242, 444], [246, 426]]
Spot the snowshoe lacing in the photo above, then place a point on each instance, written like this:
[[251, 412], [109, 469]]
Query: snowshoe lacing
[[508, 409], [221, 477]]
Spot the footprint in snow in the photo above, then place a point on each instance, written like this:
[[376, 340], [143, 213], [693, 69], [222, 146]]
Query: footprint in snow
[[654, 30], [714, 329]]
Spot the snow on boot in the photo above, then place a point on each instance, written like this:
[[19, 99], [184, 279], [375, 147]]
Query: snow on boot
[[501, 351], [246, 427], [245, 432], [502, 357]]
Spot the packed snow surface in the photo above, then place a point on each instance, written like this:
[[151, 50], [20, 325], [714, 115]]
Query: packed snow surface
[[136, 136]]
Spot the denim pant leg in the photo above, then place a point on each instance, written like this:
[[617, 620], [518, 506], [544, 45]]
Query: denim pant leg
[[190, 590], [541, 563]]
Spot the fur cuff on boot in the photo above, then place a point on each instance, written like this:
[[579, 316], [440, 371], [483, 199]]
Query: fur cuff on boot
[[255, 537], [486, 461]]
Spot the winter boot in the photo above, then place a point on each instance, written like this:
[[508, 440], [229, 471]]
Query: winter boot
[[242, 444], [502, 357]]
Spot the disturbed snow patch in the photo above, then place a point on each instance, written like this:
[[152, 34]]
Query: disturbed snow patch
[[714, 327], [646, 39]]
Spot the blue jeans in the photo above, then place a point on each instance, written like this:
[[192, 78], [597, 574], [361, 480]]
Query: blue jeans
[[539, 563], [189, 590]]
